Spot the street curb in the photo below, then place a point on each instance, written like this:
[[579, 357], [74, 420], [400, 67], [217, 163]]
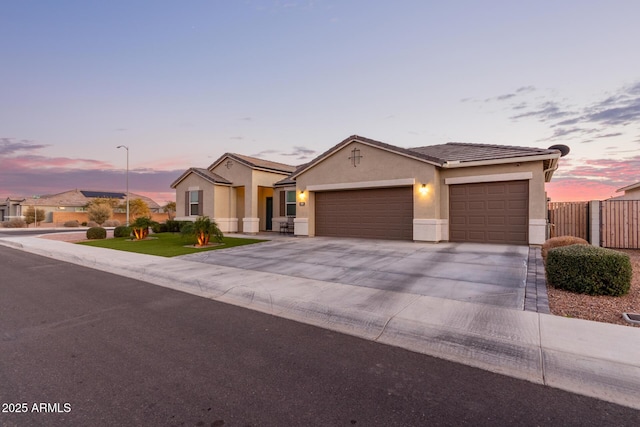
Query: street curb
[[571, 354]]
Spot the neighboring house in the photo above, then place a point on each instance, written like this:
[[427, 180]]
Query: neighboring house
[[65, 206], [631, 192], [363, 188], [10, 208]]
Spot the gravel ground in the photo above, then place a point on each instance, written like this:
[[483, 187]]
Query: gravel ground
[[600, 308]]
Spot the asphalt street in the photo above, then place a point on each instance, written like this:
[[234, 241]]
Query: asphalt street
[[100, 349]]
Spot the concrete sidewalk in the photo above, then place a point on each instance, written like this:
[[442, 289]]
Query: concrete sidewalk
[[589, 358]]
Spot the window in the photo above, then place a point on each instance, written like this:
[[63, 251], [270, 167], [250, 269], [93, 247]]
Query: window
[[194, 203], [291, 203]]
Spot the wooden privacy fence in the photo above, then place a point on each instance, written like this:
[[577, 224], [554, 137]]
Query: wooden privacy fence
[[569, 219], [619, 224]]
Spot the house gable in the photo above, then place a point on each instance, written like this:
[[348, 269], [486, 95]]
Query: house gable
[[363, 142], [360, 162]]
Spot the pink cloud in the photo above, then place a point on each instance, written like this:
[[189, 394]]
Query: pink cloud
[[23, 173], [581, 180], [578, 190], [610, 172], [42, 162]]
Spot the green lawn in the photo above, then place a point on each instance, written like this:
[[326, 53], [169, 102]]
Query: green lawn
[[165, 244]]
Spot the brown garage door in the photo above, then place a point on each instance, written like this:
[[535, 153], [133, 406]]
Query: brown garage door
[[381, 213], [491, 212]]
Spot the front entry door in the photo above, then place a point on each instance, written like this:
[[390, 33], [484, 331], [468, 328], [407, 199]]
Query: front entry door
[[269, 218]]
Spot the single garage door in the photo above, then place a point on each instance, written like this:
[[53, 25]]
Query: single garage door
[[381, 213], [491, 212]]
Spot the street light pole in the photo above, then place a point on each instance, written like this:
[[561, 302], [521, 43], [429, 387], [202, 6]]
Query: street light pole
[[127, 148]]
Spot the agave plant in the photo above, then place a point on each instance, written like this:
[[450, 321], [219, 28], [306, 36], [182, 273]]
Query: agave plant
[[140, 227], [203, 229]]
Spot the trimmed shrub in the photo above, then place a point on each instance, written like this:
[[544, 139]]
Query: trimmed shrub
[[589, 270], [92, 224], [84, 223], [111, 223], [160, 228], [174, 226], [557, 242], [122, 231], [72, 223], [96, 233], [14, 223]]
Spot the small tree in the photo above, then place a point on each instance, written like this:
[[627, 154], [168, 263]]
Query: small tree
[[140, 227], [99, 212], [33, 215], [137, 209], [203, 229], [170, 210]]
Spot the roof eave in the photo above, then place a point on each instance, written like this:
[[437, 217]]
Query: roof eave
[[628, 187], [247, 164], [189, 171], [488, 162]]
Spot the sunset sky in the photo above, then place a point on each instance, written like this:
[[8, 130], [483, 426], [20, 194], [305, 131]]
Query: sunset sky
[[181, 83]]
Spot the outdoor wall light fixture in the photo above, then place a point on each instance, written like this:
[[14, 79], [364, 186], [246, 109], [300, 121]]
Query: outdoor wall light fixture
[[302, 195], [423, 189]]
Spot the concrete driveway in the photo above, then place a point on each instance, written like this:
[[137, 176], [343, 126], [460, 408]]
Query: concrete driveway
[[487, 274]]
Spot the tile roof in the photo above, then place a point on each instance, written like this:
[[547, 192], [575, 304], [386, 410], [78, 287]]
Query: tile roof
[[78, 199], [255, 162], [213, 178], [467, 152], [439, 155]]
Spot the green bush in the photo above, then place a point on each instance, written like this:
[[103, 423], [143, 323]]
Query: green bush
[[160, 228], [589, 270], [72, 223], [96, 233], [174, 226], [122, 231]]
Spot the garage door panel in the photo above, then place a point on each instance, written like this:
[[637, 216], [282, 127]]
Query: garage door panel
[[381, 213], [492, 212], [518, 204], [477, 220], [475, 205], [496, 190], [496, 204], [496, 220]]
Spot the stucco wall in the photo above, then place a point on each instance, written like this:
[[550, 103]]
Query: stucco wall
[[59, 218], [223, 202], [243, 176], [537, 198], [192, 183], [378, 167]]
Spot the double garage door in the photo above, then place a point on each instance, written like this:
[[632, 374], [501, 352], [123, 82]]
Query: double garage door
[[380, 213], [491, 212]]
